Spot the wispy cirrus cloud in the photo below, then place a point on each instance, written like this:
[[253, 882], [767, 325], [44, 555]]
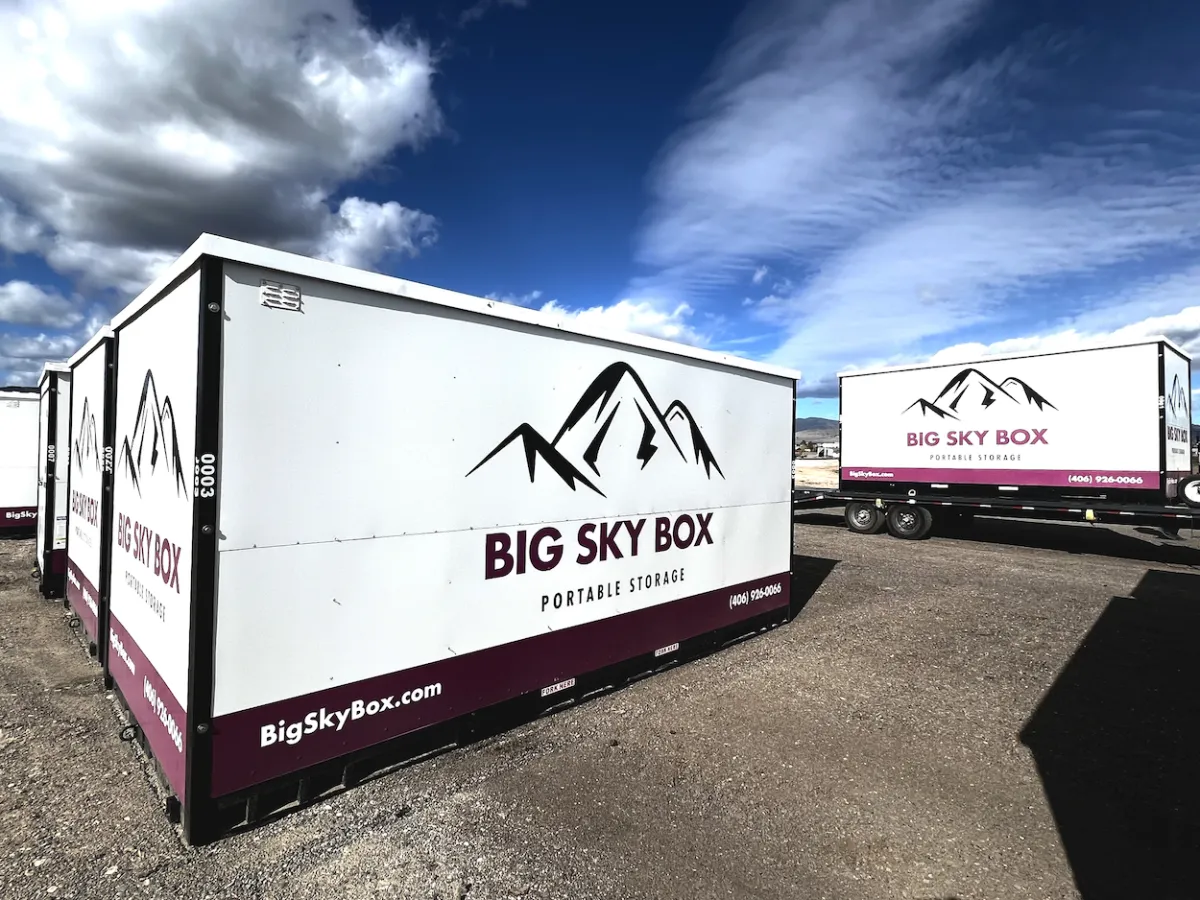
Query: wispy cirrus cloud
[[910, 193]]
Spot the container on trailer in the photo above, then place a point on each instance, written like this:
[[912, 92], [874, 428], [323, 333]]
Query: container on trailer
[[54, 388], [19, 408], [89, 525], [348, 508], [1106, 421]]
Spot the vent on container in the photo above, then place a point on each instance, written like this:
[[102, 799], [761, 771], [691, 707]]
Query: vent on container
[[279, 296]]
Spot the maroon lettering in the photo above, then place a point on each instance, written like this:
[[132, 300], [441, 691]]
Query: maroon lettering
[[634, 530], [703, 536], [662, 534], [608, 545], [682, 542], [498, 560], [586, 543], [545, 558], [1039, 436]]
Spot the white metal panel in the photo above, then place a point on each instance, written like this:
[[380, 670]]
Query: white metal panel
[[299, 619], [356, 501], [62, 461], [18, 450], [87, 464], [152, 482], [365, 417], [1085, 393]]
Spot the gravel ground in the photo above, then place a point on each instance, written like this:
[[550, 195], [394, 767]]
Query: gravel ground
[[932, 725]]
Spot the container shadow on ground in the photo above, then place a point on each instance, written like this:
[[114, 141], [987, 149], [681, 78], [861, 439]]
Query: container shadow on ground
[[279, 800], [1097, 540], [1113, 740]]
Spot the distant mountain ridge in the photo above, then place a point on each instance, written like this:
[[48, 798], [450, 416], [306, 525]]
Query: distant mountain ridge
[[816, 423], [584, 440]]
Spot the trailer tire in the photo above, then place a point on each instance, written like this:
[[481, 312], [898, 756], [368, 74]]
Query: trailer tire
[[908, 521], [1189, 491], [863, 518]]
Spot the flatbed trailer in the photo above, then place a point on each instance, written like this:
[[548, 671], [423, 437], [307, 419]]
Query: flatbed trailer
[[912, 516]]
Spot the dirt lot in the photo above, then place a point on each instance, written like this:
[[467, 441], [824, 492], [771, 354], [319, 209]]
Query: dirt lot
[[995, 717], [818, 473]]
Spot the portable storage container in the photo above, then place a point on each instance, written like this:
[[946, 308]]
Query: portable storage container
[[347, 508], [90, 487], [1106, 421], [54, 389], [19, 407]]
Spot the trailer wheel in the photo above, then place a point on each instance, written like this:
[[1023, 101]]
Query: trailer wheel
[[909, 522], [864, 518], [1189, 491]]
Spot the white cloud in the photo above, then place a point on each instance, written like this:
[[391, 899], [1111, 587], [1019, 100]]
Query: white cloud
[[129, 128], [1182, 327], [22, 303], [362, 232], [909, 189], [22, 356], [479, 9], [759, 274], [526, 300], [634, 316]]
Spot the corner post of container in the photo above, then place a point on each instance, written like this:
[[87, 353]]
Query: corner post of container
[[49, 465], [108, 441], [199, 810], [1162, 421], [841, 487], [67, 484]]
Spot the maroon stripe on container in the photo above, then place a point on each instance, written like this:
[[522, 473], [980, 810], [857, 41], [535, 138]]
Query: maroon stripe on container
[[383, 707], [1017, 477], [58, 562], [84, 599], [158, 713], [18, 516]]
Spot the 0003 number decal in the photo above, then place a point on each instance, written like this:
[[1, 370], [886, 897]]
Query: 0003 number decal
[[206, 475]]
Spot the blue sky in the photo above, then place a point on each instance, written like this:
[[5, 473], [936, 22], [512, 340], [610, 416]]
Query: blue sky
[[822, 185]]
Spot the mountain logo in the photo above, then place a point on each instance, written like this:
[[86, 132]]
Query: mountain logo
[[614, 424], [1177, 400], [86, 444], [153, 441], [971, 389]]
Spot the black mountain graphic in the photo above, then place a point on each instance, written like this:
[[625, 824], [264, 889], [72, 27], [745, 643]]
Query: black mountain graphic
[[970, 389], [156, 422], [87, 446], [1178, 399], [616, 395]]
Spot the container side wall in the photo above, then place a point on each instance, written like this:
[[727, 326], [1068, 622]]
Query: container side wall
[[88, 507], [150, 591], [62, 469], [19, 419], [1086, 419], [1177, 385], [424, 512]]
